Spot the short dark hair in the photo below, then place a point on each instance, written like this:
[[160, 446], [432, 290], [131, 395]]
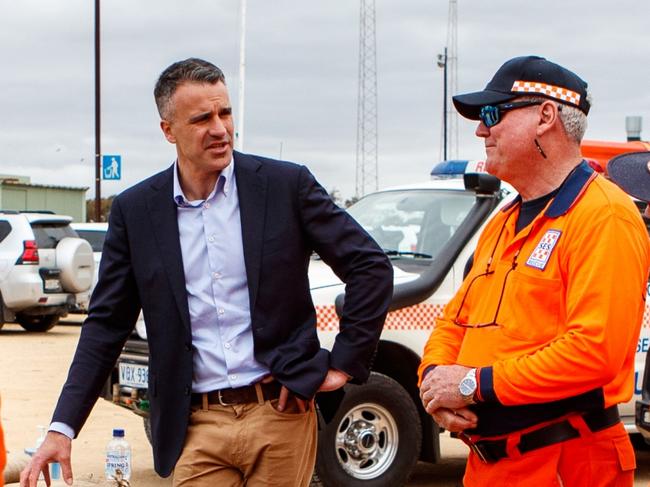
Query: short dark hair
[[189, 70]]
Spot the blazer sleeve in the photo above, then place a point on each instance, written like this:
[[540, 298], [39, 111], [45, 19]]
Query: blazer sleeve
[[359, 262], [114, 308]]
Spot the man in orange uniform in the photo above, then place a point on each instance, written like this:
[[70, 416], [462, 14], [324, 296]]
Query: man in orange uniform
[[535, 351]]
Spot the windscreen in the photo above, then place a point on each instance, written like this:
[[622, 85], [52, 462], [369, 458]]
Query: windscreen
[[48, 235], [94, 237], [415, 223]]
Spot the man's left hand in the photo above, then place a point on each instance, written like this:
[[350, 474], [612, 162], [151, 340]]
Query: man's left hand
[[439, 388], [335, 379]]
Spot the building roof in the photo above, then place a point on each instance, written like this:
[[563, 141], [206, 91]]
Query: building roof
[[10, 181]]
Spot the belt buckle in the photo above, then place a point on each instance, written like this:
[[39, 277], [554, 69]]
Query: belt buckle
[[221, 401]]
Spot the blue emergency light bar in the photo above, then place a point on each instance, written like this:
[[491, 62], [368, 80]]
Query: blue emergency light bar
[[456, 168]]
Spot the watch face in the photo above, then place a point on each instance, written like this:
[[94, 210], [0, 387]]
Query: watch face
[[467, 386]]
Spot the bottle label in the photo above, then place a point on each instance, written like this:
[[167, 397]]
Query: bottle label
[[118, 464]]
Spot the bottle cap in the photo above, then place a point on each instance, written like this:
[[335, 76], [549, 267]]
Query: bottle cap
[[119, 432]]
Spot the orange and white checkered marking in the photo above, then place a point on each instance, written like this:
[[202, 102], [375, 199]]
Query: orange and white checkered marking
[[646, 318], [553, 91], [419, 317]]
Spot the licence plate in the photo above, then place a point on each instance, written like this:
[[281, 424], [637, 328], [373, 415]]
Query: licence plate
[[52, 284], [134, 375]]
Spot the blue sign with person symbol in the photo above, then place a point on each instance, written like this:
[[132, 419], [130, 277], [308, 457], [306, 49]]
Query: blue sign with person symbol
[[112, 167]]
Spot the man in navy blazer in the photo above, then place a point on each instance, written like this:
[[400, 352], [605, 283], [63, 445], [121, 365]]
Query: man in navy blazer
[[215, 251]]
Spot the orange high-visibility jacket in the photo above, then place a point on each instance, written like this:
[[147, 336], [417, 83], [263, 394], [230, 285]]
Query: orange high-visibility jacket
[[571, 309]]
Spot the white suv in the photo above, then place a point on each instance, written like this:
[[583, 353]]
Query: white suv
[[45, 269]]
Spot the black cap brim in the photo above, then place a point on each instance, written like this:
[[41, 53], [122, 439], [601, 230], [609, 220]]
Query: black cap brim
[[469, 105], [631, 173]]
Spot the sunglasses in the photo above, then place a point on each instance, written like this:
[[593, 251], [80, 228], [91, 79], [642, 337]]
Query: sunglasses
[[491, 115]]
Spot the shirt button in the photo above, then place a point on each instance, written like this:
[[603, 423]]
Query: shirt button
[[233, 377], [216, 275], [206, 205], [211, 238], [226, 346], [220, 311]]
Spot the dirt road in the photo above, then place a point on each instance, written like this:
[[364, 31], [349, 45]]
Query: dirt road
[[34, 367]]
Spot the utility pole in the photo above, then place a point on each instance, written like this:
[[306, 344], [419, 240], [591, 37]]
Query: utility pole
[[239, 136], [367, 133], [98, 144], [442, 63], [451, 78]]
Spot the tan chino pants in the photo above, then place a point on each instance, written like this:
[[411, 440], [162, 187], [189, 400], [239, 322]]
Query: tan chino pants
[[248, 445]]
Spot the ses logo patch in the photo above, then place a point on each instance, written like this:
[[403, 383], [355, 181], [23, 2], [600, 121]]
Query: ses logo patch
[[542, 253]]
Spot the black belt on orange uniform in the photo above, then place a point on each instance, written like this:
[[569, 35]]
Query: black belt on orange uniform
[[491, 451]]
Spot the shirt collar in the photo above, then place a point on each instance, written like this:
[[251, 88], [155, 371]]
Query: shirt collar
[[224, 183], [570, 190]]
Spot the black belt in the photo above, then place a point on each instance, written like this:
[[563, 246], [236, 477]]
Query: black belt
[[238, 395], [491, 451]]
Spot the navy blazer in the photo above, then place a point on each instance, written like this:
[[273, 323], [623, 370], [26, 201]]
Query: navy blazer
[[285, 215]]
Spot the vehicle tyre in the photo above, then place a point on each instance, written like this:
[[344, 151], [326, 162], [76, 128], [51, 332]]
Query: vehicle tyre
[[74, 257], [37, 323], [374, 440], [147, 428]]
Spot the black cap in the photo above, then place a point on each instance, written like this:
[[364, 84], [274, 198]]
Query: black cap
[[631, 172], [526, 75]]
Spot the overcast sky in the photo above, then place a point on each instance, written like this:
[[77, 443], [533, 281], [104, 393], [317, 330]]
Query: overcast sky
[[301, 77]]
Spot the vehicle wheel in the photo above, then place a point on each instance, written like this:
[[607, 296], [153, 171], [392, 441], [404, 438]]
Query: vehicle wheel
[[147, 428], [36, 322], [374, 440]]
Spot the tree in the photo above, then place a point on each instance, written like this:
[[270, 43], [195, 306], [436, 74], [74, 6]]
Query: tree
[[105, 209]]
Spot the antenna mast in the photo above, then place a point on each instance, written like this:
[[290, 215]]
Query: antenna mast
[[367, 133], [452, 73]]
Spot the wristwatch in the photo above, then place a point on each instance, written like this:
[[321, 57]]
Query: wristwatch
[[467, 387]]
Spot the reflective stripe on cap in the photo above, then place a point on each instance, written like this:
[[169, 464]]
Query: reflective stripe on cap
[[556, 92]]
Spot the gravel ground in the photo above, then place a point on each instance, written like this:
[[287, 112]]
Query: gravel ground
[[34, 368]]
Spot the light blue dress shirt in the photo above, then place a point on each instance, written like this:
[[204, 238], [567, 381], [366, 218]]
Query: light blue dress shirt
[[217, 289]]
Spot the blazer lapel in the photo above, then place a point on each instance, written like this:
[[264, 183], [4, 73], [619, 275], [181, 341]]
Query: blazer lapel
[[162, 211], [252, 188]]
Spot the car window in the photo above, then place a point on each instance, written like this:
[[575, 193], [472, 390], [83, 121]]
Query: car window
[[5, 229], [412, 221], [94, 237], [48, 235]]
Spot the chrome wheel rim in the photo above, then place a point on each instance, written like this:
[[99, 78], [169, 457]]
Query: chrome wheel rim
[[366, 441]]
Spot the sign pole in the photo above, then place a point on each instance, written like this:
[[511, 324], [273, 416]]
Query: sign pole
[[98, 150]]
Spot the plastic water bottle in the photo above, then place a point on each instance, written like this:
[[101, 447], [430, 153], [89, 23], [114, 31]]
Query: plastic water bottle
[[118, 457]]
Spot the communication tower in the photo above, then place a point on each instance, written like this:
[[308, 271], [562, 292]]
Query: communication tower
[[367, 134]]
